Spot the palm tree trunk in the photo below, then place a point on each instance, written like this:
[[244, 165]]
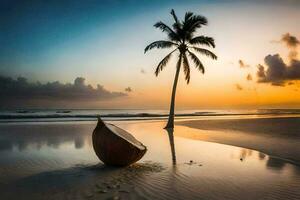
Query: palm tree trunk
[[170, 123]]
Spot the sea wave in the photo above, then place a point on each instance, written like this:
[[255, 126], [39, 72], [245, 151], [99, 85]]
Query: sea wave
[[87, 115]]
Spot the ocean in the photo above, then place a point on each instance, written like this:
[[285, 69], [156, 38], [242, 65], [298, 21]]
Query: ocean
[[48, 115]]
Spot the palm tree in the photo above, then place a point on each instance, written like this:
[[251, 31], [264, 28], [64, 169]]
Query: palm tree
[[181, 38]]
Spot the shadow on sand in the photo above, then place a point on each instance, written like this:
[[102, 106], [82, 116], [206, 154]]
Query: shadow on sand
[[83, 181]]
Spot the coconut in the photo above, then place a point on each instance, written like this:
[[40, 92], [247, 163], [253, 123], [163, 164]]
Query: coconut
[[115, 146]]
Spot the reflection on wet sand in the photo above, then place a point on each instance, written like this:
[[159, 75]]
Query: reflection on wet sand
[[22, 137], [58, 161], [271, 163], [170, 132], [245, 153], [275, 136], [261, 156], [275, 164]]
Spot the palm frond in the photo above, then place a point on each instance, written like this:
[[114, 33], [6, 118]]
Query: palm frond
[[192, 23], [181, 37], [165, 28], [177, 24], [188, 15], [206, 52], [197, 62], [186, 68], [196, 20], [163, 63], [161, 44], [203, 40], [174, 16]]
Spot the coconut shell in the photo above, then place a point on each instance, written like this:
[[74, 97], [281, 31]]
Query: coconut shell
[[115, 146]]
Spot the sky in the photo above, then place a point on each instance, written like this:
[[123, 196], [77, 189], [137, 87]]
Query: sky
[[90, 54]]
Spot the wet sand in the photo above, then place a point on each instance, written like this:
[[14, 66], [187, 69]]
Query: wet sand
[[279, 137], [57, 161]]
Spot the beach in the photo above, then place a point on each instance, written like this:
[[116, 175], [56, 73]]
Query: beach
[[55, 160], [276, 136]]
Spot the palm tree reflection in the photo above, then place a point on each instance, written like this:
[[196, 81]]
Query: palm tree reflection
[[172, 144]]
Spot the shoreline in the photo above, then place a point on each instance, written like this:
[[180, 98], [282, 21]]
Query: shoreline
[[179, 118], [266, 135]]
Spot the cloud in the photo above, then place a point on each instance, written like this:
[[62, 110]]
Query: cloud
[[242, 64], [21, 89], [249, 77], [290, 40], [261, 74], [292, 43], [278, 72], [238, 87], [128, 89]]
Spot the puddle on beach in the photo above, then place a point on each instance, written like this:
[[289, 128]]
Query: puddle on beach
[[57, 161]]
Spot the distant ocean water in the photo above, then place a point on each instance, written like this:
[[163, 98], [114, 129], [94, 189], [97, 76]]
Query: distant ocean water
[[45, 115]]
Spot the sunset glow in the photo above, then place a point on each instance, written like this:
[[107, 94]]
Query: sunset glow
[[51, 46]]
